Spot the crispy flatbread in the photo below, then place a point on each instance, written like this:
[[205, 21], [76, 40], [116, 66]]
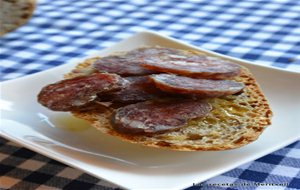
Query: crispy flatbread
[[235, 120]]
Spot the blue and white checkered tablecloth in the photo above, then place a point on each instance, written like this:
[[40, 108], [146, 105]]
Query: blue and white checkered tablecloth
[[266, 32]]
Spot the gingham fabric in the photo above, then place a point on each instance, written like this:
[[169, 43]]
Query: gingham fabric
[[266, 32]]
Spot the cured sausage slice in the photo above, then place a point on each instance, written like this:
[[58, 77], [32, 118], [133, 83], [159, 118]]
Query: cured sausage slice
[[129, 64], [71, 94], [158, 117], [201, 87], [198, 66], [121, 64], [139, 88]]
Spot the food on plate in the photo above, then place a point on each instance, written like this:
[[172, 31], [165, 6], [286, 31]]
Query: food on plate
[[15, 13], [166, 98], [187, 64], [158, 116], [139, 88], [126, 64], [200, 87], [71, 94]]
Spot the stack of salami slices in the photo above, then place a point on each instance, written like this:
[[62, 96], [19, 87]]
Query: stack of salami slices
[[164, 97]]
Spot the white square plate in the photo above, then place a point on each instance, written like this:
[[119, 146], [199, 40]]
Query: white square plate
[[71, 141]]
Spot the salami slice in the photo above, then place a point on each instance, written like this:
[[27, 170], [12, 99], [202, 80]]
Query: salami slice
[[198, 66], [71, 94], [122, 64], [129, 64], [139, 89], [158, 117], [200, 87]]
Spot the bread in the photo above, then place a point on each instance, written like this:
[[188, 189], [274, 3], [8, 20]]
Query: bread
[[14, 13], [235, 120]]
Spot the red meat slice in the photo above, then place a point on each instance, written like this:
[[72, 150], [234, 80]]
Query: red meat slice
[[158, 117], [201, 87], [71, 94]]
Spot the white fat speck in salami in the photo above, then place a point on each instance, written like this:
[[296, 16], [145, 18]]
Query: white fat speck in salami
[[71, 94], [159, 116], [201, 87]]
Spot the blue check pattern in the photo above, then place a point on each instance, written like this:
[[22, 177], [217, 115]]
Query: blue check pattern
[[265, 32]]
